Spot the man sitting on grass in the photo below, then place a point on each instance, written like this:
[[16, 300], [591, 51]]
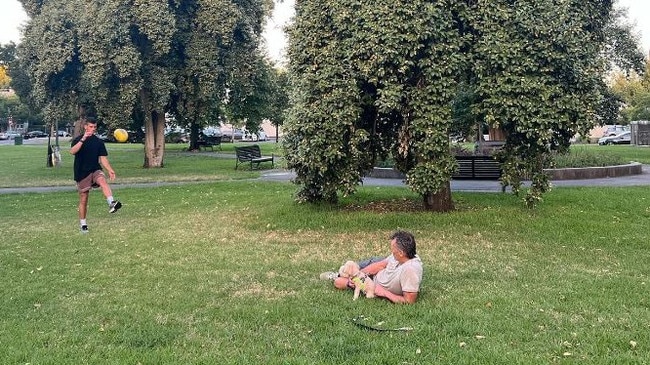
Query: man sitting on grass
[[396, 277]]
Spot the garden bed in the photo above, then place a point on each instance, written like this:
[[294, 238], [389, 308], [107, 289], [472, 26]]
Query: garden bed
[[633, 168]]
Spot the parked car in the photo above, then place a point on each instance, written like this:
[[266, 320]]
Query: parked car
[[212, 131], [232, 135], [3, 136], [10, 135], [62, 133], [35, 134], [621, 138], [177, 137], [259, 136], [613, 130]]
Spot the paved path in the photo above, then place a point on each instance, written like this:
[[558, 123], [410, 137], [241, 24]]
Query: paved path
[[456, 185], [493, 186]]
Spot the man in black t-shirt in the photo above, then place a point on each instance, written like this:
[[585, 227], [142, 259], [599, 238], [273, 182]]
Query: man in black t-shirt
[[90, 156]]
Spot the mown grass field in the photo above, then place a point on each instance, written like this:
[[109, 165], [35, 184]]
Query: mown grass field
[[225, 270]]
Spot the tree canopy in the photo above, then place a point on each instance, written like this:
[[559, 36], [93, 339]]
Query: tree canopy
[[123, 58], [370, 79]]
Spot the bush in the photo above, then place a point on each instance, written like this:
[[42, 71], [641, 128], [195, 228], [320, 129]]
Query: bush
[[585, 158]]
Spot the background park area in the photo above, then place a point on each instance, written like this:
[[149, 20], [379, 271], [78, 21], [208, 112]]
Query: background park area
[[219, 266]]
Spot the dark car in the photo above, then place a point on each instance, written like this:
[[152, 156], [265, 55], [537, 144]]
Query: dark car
[[35, 134]]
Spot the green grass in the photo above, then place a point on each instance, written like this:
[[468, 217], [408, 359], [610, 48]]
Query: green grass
[[226, 271], [23, 166]]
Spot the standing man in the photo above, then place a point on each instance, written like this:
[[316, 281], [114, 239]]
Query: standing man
[[90, 156]]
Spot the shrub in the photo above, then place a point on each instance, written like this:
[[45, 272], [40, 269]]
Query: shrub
[[585, 158]]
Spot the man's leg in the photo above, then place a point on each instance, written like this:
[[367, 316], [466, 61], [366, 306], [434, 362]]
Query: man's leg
[[83, 204], [113, 205], [369, 261], [83, 209], [103, 184]]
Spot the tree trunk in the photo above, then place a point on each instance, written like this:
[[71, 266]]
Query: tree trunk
[[78, 124], [154, 140], [194, 137], [440, 201]]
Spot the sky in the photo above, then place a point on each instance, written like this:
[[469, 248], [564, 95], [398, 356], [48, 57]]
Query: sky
[[12, 16]]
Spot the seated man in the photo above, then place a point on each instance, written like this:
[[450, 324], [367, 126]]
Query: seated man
[[396, 277]]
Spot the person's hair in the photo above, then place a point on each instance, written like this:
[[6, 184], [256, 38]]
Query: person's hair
[[405, 242], [90, 120]]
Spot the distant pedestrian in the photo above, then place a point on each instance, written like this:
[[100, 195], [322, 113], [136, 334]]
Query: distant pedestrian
[[90, 156]]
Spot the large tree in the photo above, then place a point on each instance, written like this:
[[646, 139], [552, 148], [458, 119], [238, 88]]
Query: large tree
[[133, 57], [372, 77], [538, 71]]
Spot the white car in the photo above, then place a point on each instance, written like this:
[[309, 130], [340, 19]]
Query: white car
[[621, 138], [612, 130], [259, 136]]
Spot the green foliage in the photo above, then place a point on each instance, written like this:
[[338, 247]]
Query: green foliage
[[582, 157], [374, 79], [379, 77], [622, 44], [138, 59], [262, 95], [539, 79]]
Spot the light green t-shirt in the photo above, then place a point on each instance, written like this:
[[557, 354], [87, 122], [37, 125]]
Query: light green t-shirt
[[398, 279]]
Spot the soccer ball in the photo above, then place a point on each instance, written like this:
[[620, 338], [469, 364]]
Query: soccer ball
[[121, 135]]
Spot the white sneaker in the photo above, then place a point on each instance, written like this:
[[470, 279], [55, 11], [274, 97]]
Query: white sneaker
[[329, 275]]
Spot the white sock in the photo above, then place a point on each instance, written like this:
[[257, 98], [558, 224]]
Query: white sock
[[109, 200], [82, 222]]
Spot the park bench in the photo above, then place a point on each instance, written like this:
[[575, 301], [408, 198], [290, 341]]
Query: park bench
[[477, 168], [251, 155], [206, 142]]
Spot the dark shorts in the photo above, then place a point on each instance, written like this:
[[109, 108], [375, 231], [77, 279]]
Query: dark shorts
[[90, 181], [369, 261]]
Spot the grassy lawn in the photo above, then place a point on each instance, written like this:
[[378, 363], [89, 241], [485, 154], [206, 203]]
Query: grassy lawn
[[22, 166], [226, 271]]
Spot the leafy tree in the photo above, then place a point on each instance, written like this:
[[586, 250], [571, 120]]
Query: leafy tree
[[634, 90], [210, 61], [371, 78], [621, 44], [538, 74], [136, 58], [261, 96], [5, 80], [280, 98], [250, 99]]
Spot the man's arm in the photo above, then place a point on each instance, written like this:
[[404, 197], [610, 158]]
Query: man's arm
[[405, 298], [376, 267], [77, 146], [107, 166]]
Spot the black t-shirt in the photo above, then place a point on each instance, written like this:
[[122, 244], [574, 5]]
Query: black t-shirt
[[86, 160]]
